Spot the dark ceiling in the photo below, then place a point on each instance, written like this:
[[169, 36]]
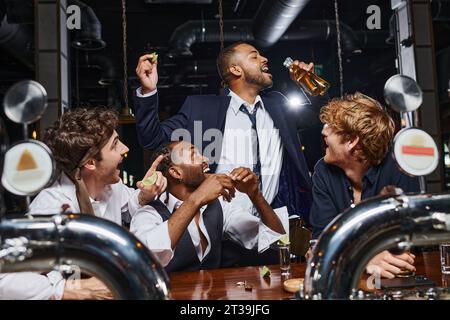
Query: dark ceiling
[[151, 24]]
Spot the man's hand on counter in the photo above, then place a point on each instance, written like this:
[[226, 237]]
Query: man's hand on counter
[[389, 265]]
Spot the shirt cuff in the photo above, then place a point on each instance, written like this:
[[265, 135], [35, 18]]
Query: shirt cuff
[[133, 203], [141, 95], [164, 256], [267, 236], [58, 283], [158, 241]]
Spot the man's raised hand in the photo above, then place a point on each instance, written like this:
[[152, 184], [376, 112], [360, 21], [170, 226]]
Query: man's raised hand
[[149, 191], [147, 73]]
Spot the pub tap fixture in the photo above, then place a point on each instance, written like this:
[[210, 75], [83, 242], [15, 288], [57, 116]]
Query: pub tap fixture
[[355, 236], [96, 246]]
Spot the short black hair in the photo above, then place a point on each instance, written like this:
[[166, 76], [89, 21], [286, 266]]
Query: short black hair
[[165, 150], [224, 59]]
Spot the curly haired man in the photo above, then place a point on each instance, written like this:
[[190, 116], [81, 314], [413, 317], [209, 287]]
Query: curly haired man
[[357, 134], [88, 151]]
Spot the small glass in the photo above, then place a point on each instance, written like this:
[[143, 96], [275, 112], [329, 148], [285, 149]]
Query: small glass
[[445, 280], [285, 259], [404, 272], [444, 249]]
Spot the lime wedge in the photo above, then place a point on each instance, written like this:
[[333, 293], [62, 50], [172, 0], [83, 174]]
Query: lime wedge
[[284, 239], [265, 272], [150, 180], [154, 57]]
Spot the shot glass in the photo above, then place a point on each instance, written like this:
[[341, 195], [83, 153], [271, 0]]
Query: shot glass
[[285, 259], [444, 249], [405, 273]]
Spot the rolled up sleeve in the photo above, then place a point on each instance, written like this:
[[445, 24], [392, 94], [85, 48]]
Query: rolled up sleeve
[[131, 202], [31, 286], [149, 227]]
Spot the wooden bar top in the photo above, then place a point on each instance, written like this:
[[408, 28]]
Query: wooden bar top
[[225, 284]]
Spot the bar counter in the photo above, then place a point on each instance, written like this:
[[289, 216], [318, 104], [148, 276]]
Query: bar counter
[[225, 284]]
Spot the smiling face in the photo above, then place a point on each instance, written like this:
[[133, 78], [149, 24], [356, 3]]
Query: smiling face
[[251, 67], [338, 152], [106, 170], [365, 129], [188, 165]]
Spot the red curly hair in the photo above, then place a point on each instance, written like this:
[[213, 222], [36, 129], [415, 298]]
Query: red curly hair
[[358, 115]]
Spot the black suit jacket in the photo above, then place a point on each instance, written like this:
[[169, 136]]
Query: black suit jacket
[[209, 111]]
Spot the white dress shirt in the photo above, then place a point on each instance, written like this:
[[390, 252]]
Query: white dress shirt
[[116, 201], [239, 224], [237, 148]]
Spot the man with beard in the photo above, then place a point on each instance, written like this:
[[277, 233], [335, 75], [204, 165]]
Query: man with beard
[[253, 130], [184, 228]]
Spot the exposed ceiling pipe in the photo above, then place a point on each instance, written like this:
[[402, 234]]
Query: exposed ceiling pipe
[[89, 37], [199, 31], [105, 64], [17, 40], [194, 69], [324, 30], [373, 39], [273, 19], [207, 31]]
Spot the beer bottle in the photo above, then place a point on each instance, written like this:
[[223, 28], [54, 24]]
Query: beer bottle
[[310, 82]]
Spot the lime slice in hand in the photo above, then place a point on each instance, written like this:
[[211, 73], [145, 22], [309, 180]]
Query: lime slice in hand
[[284, 239], [265, 272], [150, 180], [154, 57]]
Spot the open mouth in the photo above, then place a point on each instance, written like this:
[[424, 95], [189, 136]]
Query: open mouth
[[206, 168], [265, 69], [324, 144], [119, 164]]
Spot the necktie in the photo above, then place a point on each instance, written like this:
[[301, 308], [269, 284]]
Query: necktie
[[255, 143]]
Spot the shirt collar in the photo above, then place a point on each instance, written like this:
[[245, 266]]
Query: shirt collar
[[68, 187], [372, 173], [237, 102]]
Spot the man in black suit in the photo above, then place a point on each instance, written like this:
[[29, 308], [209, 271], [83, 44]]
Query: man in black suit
[[246, 129]]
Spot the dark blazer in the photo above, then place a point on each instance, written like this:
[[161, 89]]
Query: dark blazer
[[211, 111], [295, 182]]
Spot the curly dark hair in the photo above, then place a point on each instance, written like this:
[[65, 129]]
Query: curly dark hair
[[79, 132]]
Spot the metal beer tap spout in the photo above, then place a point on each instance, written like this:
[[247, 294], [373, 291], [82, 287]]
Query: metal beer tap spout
[[358, 234]]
